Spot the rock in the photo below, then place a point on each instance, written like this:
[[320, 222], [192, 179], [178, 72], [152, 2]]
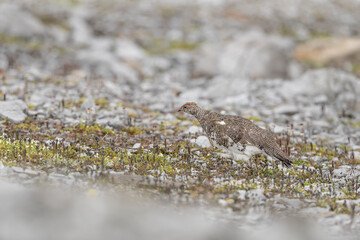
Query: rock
[[317, 159], [114, 122], [251, 54], [104, 63], [15, 21], [221, 87], [326, 50], [342, 171], [31, 172], [88, 105], [128, 50], [286, 109], [194, 129], [206, 62], [137, 145], [316, 211], [293, 203], [223, 202], [202, 141], [114, 88], [4, 63], [38, 98], [278, 129], [190, 95], [13, 110], [243, 99], [321, 99], [81, 33], [339, 87]]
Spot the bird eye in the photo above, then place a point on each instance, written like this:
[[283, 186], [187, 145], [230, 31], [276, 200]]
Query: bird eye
[[185, 106]]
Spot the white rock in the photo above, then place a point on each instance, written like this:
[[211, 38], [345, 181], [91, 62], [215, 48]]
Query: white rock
[[88, 104], [114, 122], [13, 110], [17, 22], [202, 141], [223, 202], [194, 129], [137, 145], [320, 99], [333, 85], [286, 109], [104, 63], [38, 98], [101, 43], [31, 172], [342, 171], [81, 33], [278, 129], [221, 87], [4, 63], [252, 54], [126, 49], [191, 95], [242, 99], [114, 88]]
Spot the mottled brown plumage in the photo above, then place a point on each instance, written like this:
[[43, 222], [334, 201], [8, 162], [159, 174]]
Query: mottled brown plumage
[[235, 133]]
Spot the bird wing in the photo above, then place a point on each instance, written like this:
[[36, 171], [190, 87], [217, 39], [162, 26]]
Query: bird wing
[[216, 133], [229, 131]]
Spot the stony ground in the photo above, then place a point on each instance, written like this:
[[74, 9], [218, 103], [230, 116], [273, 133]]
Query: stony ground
[[90, 133]]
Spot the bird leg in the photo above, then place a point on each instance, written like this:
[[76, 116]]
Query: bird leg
[[243, 143], [212, 144], [244, 148]]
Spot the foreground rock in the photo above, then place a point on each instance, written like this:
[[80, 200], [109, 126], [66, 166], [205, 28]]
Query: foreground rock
[[13, 110]]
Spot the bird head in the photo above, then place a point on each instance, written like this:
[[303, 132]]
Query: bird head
[[189, 107]]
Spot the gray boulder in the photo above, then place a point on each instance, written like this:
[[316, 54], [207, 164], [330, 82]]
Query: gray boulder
[[17, 22], [251, 54], [338, 87], [13, 110]]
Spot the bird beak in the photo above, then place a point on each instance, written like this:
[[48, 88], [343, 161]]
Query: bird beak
[[179, 110]]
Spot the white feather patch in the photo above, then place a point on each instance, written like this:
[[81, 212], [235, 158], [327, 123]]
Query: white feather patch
[[221, 123]]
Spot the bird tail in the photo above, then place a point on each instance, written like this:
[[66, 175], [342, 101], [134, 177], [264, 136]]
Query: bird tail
[[284, 158], [280, 155]]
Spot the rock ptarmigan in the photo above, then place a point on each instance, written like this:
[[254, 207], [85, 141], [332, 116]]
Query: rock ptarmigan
[[236, 134]]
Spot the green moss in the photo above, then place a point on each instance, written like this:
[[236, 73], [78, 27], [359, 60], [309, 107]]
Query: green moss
[[51, 20], [102, 102], [26, 126], [181, 118], [133, 130], [319, 34], [354, 124], [11, 40], [231, 188], [85, 147], [29, 44], [163, 46], [356, 68], [182, 45], [255, 119], [31, 106]]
